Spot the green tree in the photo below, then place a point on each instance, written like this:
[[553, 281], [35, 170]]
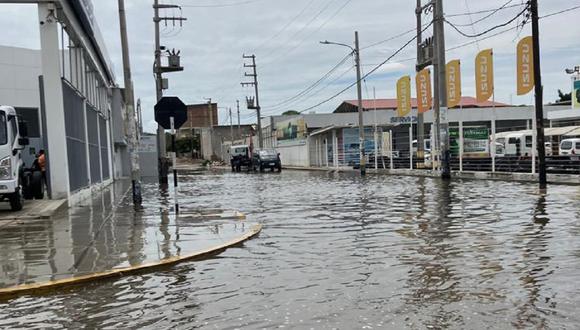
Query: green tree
[[290, 113]]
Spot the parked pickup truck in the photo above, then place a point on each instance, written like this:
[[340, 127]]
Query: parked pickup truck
[[240, 157], [266, 158], [16, 181]]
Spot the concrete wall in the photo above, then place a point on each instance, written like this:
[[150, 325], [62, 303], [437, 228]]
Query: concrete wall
[[20, 69], [294, 155]]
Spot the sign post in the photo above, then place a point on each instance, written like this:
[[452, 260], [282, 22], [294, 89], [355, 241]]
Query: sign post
[[171, 113], [173, 161]]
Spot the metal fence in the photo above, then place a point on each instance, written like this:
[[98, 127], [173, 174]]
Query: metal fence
[[75, 138], [94, 154], [473, 147], [104, 147]]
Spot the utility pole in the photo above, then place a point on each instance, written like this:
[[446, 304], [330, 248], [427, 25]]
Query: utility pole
[[538, 89], [130, 109], [250, 101], [440, 85], [356, 53], [140, 118], [420, 65], [163, 164], [361, 126], [210, 110], [239, 127], [231, 125]]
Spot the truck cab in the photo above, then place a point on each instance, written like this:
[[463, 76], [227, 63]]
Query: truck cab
[[15, 185], [240, 156]]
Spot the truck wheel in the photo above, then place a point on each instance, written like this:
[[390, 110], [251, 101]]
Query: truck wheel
[[261, 168], [36, 186], [279, 168], [26, 184], [16, 200]]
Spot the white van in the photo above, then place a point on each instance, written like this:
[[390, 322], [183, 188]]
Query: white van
[[520, 144], [570, 147]]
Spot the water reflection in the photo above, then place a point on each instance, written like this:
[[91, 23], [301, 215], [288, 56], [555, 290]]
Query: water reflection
[[536, 258]]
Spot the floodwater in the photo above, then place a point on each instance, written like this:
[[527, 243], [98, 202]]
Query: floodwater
[[338, 251]]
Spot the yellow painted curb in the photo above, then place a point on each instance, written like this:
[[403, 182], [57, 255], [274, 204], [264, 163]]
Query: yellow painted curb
[[37, 288]]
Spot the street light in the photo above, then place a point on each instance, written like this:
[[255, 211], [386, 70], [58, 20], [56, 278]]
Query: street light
[[356, 52]]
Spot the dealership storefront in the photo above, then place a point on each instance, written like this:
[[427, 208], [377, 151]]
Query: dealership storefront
[[332, 139]]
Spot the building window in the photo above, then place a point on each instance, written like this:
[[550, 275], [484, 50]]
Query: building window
[[30, 116]]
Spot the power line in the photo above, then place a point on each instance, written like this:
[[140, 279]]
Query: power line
[[319, 90], [481, 11], [285, 26], [449, 49], [313, 32], [413, 58], [476, 35], [493, 12], [303, 27], [314, 85], [366, 75], [402, 34], [560, 12]]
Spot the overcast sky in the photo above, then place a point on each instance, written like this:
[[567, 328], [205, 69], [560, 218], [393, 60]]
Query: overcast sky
[[285, 37]]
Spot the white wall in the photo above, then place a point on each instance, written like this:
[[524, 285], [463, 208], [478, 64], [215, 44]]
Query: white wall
[[295, 155], [20, 69]]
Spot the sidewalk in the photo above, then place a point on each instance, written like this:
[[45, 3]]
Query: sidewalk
[[106, 233]]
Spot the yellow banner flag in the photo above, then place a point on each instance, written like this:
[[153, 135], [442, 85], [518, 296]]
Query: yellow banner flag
[[453, 73], [525, 66], [404, 96], [484, 75], [424, 95]]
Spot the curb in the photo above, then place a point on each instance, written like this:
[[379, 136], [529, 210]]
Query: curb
[[37, 288]]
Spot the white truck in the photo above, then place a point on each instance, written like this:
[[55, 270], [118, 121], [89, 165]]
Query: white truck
[[16, 181]]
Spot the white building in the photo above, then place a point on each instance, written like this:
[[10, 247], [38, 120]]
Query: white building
[[69, 87]]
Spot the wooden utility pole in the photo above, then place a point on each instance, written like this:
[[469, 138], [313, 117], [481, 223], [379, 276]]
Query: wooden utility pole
[[251, 104], [538, 89], [130, 109]]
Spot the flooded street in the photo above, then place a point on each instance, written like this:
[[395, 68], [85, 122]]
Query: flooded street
[[338, 251]]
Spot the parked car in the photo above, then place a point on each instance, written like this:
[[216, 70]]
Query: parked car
[[240, 157], [570, 147], [266, 158]]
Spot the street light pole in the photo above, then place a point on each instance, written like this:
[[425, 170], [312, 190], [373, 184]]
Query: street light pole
[[129, 109], [356, 53], [361, 127]]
